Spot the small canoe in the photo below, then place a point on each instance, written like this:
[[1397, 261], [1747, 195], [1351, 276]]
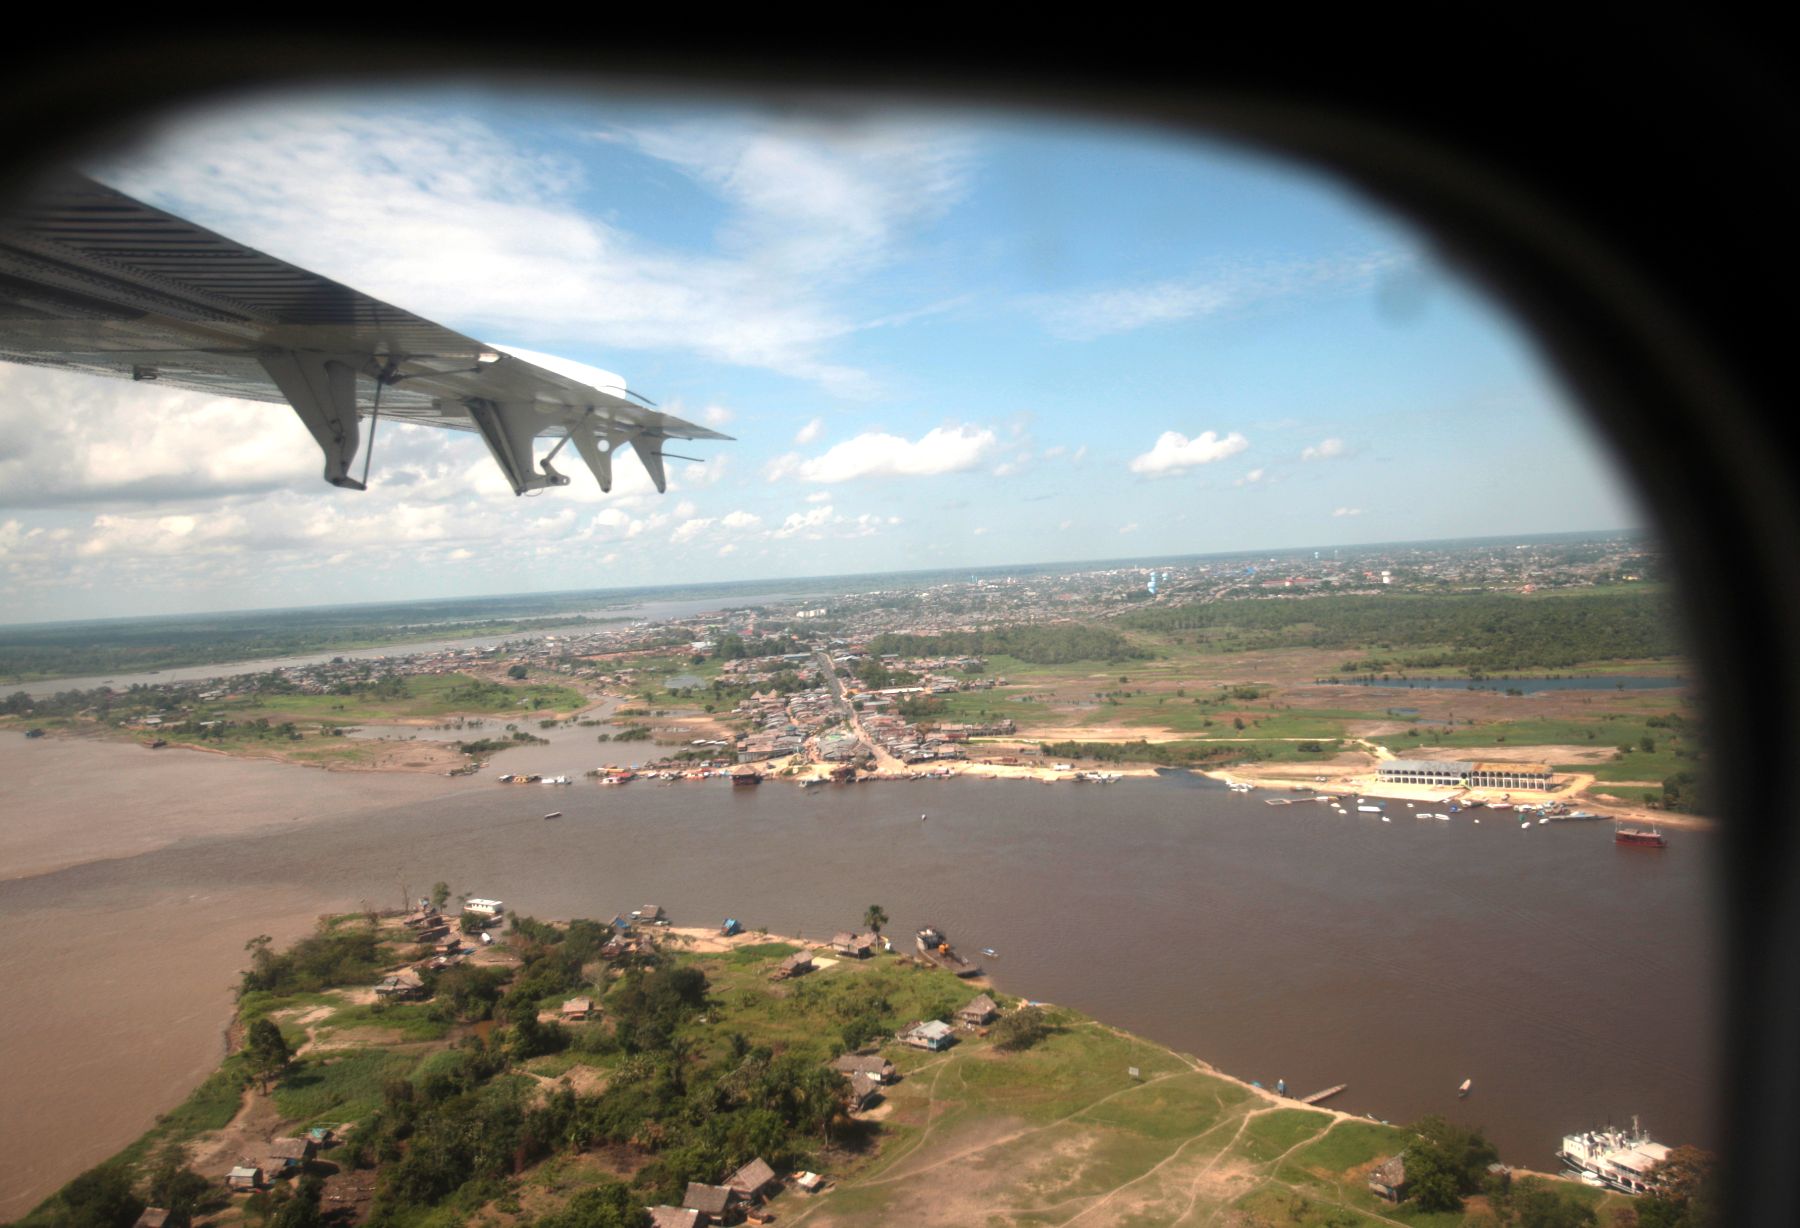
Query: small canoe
[[554, 814]]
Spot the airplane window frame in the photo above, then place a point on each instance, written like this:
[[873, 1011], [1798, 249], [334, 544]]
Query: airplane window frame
[[1611, 188]]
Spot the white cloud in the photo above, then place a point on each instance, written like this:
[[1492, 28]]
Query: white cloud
[[1129, 528], [805, 522], [741, 520], [1348, 511], [819, 496], [1251, 478], [1325, 449], [1176, 453], [461, 222], [1086, 315], [810, 432], [943, 449]]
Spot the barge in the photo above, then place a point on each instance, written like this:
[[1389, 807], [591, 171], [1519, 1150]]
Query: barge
[[934, 945]]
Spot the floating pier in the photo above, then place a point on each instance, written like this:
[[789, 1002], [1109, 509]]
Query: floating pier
[[1327, 1094]]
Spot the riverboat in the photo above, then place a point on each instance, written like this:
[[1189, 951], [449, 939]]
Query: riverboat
[[1621, 1159], [744, 779], [935, 946], [1640, 837]]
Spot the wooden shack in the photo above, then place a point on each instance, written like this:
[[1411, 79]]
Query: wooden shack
[[1388, 1179]]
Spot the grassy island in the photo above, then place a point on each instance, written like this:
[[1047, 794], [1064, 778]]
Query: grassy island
[[421, 1072]]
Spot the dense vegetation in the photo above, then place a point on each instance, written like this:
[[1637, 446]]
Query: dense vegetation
[[1037, 643], [1482, 633]]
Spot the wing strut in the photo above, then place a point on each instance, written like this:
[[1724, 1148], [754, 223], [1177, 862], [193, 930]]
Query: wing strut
[[509, 434], [323, 392]]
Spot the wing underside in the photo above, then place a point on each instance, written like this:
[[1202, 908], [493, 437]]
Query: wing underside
[[96, 282]]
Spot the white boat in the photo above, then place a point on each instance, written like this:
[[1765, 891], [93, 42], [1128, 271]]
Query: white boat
[[1385, 819], [1444, 818], [554, 814], [1464, 1089], [1621, 1159], [1366, 809]]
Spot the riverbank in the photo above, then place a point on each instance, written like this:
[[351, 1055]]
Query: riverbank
[[1007, 1121]]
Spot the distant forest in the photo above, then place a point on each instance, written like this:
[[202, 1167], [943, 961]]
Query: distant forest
[[1039, 643], [1482, 633]]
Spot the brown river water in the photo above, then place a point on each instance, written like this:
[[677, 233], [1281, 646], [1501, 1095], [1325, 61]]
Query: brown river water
[[1571, 979]]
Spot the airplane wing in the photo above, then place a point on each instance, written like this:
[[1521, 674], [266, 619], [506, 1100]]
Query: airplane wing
[[94, 281]]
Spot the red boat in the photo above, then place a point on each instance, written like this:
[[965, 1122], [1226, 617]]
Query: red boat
[[1647, 837]]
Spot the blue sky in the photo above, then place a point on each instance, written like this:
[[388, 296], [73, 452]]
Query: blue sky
[[939, 339]]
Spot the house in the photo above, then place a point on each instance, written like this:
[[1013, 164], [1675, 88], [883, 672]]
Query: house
[[809, 1182], [674, 1217], [153, 1217], [486, 911], [864, 1091], [289, 1154], [649, 914], [1388, 1180], [798, 964], [401, 987], [244, 1178], [577, 1009], [856, 946], [753, 1179], [875, 1066], [449, 946], [932, 1034], [717, 1203], [978, 1013]]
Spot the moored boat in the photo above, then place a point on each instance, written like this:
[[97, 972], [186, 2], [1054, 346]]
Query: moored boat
[[1641, 837]]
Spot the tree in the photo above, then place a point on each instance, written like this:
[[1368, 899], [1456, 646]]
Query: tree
[[517, 671], [1446, 1163], [611, 1204], [1684, 1191], [267, 1050], [302, 1209], [875, 918], [173, 1185], [1022, 1029], [101, 1198], [440, 894], [1534, 1203]]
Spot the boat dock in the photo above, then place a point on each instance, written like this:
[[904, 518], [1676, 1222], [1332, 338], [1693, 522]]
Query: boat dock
[[1327, 1094]]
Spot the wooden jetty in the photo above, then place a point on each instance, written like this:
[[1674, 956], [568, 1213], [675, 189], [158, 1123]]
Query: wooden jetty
[[1327, 1094]]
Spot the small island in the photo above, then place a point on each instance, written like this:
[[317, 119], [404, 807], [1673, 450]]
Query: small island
[[465, 1065]]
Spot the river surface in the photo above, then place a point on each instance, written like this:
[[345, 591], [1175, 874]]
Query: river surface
[[1571, 979]]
